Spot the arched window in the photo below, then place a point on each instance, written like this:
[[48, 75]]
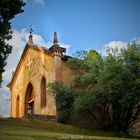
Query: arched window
[[43, 92], [17, 106]]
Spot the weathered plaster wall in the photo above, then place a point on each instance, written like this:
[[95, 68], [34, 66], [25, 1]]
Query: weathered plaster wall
[[68, 74], [36, 65]]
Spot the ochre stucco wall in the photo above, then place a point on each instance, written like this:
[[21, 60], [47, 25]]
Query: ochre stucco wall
[[67, 74], [35, 65], [41, 65]]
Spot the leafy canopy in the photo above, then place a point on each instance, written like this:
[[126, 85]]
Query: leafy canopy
[[106, 89], [8, 10], [109, 88]]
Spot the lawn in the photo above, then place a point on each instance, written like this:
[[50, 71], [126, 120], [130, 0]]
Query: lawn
[[24, 129]]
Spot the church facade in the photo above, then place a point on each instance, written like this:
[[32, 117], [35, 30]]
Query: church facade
[[37, 67]]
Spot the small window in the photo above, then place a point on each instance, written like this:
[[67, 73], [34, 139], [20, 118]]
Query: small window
[[43, 92]]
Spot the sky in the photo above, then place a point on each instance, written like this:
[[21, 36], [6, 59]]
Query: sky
[[80, 24]]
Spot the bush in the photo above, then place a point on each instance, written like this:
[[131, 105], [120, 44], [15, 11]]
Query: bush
[[64, 101]]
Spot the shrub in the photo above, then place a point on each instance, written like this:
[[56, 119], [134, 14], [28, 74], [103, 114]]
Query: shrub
[[64, 100]]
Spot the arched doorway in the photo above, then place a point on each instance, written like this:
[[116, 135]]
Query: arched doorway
[[17, 106], [29, 100]]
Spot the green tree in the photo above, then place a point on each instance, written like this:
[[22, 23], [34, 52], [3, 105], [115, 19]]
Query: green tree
[[119, 80], [89, 101], [64, 96], [88, 67], [8, 10], [111, 92]]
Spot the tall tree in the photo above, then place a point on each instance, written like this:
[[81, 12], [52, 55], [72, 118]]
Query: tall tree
[[8, 10], [109, 89]]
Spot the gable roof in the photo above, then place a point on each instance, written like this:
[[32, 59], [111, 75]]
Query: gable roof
[[27, 47], [23, 56]]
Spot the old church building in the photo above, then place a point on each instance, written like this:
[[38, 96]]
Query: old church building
[[37, 67]]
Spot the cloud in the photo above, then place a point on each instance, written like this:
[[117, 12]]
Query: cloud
[[4, 102], [18, 41], [118, 45], [37, 39], [67, 46], [136, 40], [37, 2]]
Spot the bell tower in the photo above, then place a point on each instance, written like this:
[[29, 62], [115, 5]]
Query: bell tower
[[57, 53]]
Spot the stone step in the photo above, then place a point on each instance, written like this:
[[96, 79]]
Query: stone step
[[41, 117]]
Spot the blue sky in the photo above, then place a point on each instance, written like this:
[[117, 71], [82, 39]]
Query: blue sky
[[84, 24], [81, 25]]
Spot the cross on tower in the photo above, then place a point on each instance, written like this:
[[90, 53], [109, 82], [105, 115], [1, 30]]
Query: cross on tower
[[31, 36], [31, 30]]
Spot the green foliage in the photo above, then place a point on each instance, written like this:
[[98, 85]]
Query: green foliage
[[64, 100], [109, 88], [85, 103], [64, 116], [93, 60], [80, 54], [119, 79], [97, 106], [88, 69], [8, 10]]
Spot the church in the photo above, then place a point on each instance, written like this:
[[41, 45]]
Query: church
[[37, 67]]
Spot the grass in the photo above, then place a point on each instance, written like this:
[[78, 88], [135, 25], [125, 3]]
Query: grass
[[23, 129]]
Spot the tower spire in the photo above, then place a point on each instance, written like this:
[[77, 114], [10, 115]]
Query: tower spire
[[31, 36], [55, 39], [55, 49]]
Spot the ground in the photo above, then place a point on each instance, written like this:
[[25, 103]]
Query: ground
[[24, 129]]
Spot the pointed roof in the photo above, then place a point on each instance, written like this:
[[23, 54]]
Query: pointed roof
[[55, 39], [55, 47]]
